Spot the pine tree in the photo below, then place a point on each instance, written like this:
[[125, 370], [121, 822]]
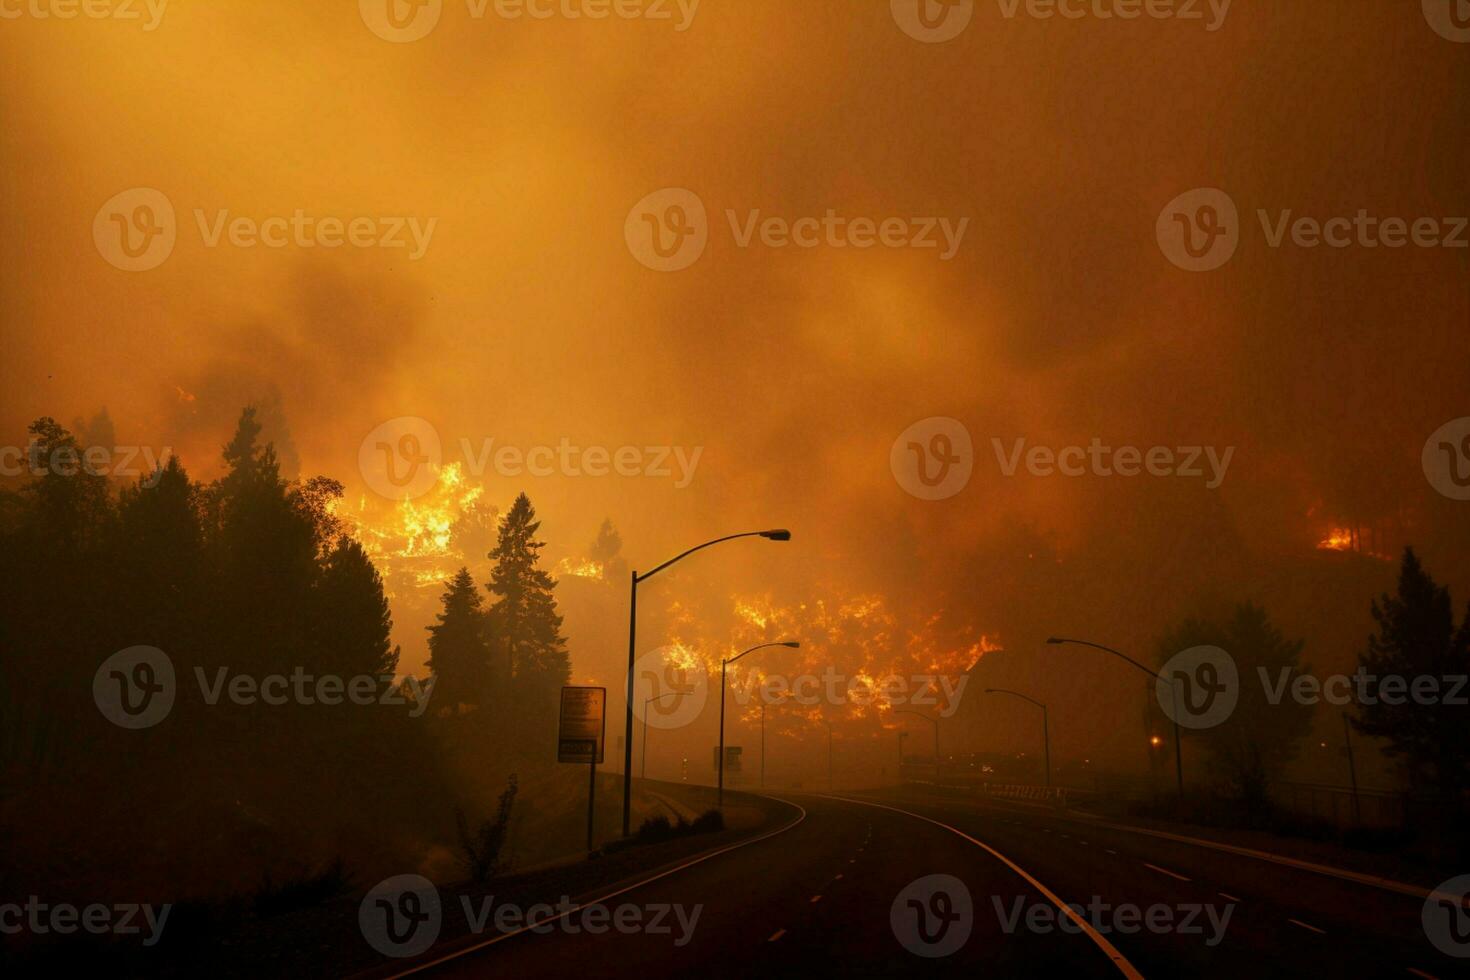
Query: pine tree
[[354, 622], [525, 628], [459, 654], [1417, 637]]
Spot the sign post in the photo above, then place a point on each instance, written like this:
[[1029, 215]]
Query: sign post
[[580, 736]]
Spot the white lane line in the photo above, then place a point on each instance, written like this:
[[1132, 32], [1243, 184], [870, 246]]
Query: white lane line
[[1421, 973], [430, 964], [1108, 949], [838, 878], [1165, 871], [776, 935], [1228, 897], [1299, 922], [816, 899], [1110, 850]]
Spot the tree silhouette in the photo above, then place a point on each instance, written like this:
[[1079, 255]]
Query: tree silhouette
[[1253, 745], [459, 654], [525, 629], [1417, 637]]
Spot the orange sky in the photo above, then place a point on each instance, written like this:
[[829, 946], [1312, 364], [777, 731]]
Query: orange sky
[[528, 321]]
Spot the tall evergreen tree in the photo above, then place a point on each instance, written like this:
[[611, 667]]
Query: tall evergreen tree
[[525, 628], [353, 619], [459, 654], [1417, 637]]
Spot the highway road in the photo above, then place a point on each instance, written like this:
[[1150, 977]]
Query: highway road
[[885, 884]]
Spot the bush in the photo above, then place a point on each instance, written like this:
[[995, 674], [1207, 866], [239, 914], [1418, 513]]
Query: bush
[[480, 851]]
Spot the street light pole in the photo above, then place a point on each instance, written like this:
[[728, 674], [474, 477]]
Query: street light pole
[[1173, 690], [777, 534], [720, 792], [935, 723], [1045, 726]]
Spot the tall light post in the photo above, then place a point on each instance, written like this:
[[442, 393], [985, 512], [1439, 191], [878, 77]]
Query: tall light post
[[1173, 689], [935, 723], [643, 769], [720, 793], [1045, 727], [901, 737], [778, 534]]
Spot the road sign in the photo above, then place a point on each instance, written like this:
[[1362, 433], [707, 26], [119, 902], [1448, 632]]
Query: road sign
[[583, 715]]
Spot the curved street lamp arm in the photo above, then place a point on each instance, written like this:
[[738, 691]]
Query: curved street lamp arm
[[1016, 694], [1058, 640], [918, 714], [773, 535], [762, 646]]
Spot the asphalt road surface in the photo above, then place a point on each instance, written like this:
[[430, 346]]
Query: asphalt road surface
[[888, 885]]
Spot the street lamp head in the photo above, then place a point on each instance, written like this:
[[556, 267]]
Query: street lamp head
[[990, 690], [779, 534], [1054, 641], [793, 644]]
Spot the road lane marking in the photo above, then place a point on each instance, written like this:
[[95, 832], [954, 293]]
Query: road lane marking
[[1165, 871], [1228, 897], [439, 961], [1421, 973], [1110, 850], [776, 935], [838, 878], [1299, 922], [1108, 949], [1372, 881], [816, 899]]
